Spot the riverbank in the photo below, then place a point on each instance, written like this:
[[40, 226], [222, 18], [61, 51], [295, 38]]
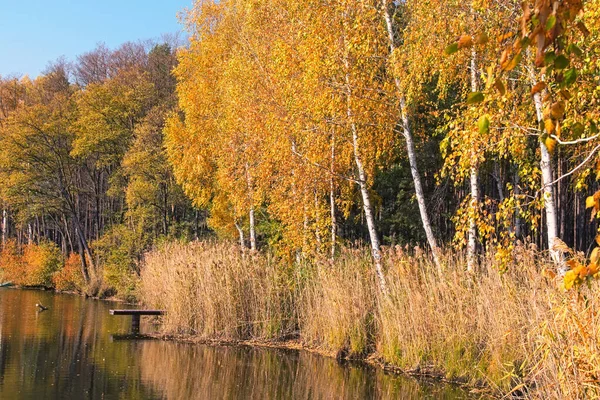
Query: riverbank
[[371, 360], [284, 344], [516, 332]]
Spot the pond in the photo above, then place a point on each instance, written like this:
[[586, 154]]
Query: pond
[[73, 351]]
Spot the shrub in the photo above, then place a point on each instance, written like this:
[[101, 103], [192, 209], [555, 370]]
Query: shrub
[[11, 263], [30, 265], [70, 278], [119, 251], [41, 262]]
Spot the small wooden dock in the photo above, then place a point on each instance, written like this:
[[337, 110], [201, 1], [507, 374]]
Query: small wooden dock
[[135, 317]]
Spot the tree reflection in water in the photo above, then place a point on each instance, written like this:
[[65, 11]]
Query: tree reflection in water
[[67, 353]]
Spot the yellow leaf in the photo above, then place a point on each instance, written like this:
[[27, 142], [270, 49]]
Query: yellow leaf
[[590, 202], [557, 110], [581, 271], [490, 77], [569, 279], [572, 264], [509, 65], [465, 41], [500, 86], [481, 38], [565, 94], [549, 125], [538, 87]]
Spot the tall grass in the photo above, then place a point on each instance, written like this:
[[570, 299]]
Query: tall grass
[[515, 332], [337, 305], [214, 291]]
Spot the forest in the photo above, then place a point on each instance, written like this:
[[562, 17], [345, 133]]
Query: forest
[[415, 181]]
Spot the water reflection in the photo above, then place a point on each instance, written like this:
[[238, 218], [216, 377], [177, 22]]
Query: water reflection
[[67, 353]]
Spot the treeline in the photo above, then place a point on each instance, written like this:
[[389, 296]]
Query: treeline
[[418, 121], [305, 127], [83, 165]]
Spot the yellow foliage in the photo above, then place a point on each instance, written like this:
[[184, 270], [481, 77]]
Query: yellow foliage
[[70, 278]]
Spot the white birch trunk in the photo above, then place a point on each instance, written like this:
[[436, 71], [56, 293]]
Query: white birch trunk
[[518, 221], [410, 147], [474, 184], [332, 196], [241, 235], [304, 225], [333, 219], [251, 216], [252, 230], [498, 179], [29, 234], [547, 187], [317, 223], [364, 189], [4, 226], [368, 208]]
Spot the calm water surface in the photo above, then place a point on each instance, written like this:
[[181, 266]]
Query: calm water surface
[[69, 352]]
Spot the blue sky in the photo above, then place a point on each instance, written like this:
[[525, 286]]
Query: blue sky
[[35, 32]]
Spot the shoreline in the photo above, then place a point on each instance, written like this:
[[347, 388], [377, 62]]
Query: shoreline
[[112, 299], [372, 359]]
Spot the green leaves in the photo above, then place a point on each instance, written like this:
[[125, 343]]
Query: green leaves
[[561, 62], [574, 49], [570, 76], [483, 124], [577, 129], [549, 58], [475, 97], [550, 22], [451, 49]]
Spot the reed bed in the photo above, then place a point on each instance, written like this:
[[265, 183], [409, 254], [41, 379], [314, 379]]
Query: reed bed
[[217, 292], [516, 333]]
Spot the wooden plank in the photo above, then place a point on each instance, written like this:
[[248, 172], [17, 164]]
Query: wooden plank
[[137, 312]]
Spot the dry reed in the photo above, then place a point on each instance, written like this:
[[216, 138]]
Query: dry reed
[[214, 291], [515, 332]]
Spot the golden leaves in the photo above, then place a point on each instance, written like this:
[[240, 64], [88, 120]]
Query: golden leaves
[[509, 60], [481, 38], [499, 85], [580, 273], [538, 87], [593, 202], [557, 110], [550, 144], [549, 126], [465, 41]]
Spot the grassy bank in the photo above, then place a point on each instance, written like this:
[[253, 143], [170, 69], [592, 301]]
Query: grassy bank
[[516, 331]]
